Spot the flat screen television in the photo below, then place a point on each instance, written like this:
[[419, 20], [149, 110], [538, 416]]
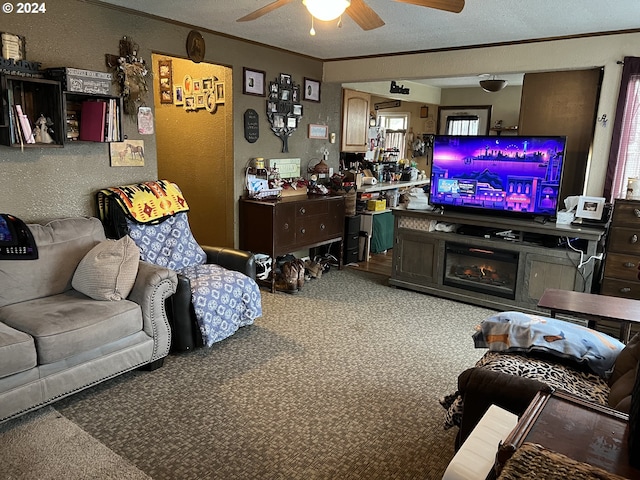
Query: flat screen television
[[515, 175]]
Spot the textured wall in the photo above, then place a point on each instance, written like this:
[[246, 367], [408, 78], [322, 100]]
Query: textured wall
[[45, 183]]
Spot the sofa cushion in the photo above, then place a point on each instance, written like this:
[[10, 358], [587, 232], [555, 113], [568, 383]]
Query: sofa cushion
[[61, 245], [520, 332], [108, 271], [17, 351], [70, 323]]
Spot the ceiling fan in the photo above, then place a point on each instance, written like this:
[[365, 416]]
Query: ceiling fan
[[361, 13]]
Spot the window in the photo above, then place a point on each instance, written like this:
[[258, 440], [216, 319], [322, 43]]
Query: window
[[462, 125], [395, 126], [624, 158]]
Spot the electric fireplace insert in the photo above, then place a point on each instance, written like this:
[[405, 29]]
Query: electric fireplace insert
[[481, 270]]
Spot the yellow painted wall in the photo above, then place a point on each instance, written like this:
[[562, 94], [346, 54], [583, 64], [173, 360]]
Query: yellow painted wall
[[195, 150]]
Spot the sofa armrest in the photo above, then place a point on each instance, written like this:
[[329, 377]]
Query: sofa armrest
[[481, 387], [232, 259], [152, 287]]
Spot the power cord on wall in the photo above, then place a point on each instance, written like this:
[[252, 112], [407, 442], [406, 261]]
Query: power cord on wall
[[583, 262]]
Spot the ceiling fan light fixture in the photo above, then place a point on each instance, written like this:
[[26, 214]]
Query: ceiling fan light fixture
[[493, 85], [326, 10]]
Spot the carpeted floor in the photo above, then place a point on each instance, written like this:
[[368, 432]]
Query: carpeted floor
[[339, 381]]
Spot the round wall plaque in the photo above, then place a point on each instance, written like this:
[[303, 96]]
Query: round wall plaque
[[195, 46], [251, 125]]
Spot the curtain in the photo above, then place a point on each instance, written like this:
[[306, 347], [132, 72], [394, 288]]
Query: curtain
[[462, 124], [624, 155]]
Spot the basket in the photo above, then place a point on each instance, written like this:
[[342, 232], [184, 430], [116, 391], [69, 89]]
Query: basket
[[534, 461], [270, 194], [265, 194]]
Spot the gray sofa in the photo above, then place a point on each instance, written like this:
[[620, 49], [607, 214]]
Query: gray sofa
[[54, 340]]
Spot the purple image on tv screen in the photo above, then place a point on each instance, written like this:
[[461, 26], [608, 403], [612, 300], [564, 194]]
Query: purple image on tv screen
[[520, 175]]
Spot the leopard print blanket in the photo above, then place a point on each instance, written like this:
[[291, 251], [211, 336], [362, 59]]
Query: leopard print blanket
[[587, 386]]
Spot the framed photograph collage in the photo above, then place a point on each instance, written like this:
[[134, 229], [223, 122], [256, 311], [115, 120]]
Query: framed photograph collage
[[199, 94]]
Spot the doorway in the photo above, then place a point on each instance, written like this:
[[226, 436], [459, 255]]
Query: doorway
[[194, 140]]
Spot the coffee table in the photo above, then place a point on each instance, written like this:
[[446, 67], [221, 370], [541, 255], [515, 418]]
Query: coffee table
[[593, 308]]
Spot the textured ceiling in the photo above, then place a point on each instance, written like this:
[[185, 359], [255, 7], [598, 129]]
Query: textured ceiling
[[408, 27]]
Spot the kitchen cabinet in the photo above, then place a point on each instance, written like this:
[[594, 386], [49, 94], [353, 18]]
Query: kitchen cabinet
[[355, 120]]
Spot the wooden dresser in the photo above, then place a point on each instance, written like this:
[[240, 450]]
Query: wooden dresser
[[622, 263], [291, 224]]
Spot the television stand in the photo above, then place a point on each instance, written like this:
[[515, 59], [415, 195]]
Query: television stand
[[497, 262]]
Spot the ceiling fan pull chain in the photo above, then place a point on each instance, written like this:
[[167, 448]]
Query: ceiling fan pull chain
[[312, 32]]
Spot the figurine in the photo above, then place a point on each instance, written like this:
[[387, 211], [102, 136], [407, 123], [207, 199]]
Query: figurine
[[42, 127]]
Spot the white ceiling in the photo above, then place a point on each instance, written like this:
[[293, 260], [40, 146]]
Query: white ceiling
[[408, 27]]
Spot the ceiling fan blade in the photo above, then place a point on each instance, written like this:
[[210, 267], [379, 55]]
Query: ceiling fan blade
[[454, 6], [264, 10], [364, 15]]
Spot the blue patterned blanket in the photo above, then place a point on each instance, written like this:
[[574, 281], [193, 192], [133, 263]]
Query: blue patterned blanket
[[224, 300]]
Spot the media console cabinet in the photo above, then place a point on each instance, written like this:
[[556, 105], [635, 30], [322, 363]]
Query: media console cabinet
[[477, 262]]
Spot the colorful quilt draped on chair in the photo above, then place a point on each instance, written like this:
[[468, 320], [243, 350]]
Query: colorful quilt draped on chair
[[154, 215], [223, 300]]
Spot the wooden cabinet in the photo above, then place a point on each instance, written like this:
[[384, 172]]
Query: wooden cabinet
[[355, 120], [424, 258], [622, 263], [291, 224], [32, 97]]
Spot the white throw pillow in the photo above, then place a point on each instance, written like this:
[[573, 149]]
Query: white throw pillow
[[108, 271]]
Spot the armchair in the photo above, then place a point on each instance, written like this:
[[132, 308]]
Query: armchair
[[154, 214], [510, 378]]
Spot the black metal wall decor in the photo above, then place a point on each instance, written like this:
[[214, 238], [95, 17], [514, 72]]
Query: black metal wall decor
[[284, 109]]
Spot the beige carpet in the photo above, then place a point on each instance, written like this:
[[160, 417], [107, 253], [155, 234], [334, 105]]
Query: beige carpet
[[45, 445], [340, 381]]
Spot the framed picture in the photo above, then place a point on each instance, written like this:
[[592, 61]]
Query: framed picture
[[311, 90], [200, 100], [187, 84], [178, 95], [207, 83], [285, 79], [219, 88], [210, 101], [189, 102], [590, 207], [424, 112], [320, 132], [197, 85], [292, 122], [297, 110], [165, 81], [253, 82]]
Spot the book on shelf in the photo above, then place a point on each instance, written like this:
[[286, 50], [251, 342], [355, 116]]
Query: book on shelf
[[24, 126], [93, 121]]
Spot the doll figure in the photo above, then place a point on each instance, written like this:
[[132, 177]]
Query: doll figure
[[41, 133]]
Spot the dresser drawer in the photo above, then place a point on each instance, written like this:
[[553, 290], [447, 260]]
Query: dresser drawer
[[626, 213], [311, 208], [624, 240], [621, 266], [620, 288]]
